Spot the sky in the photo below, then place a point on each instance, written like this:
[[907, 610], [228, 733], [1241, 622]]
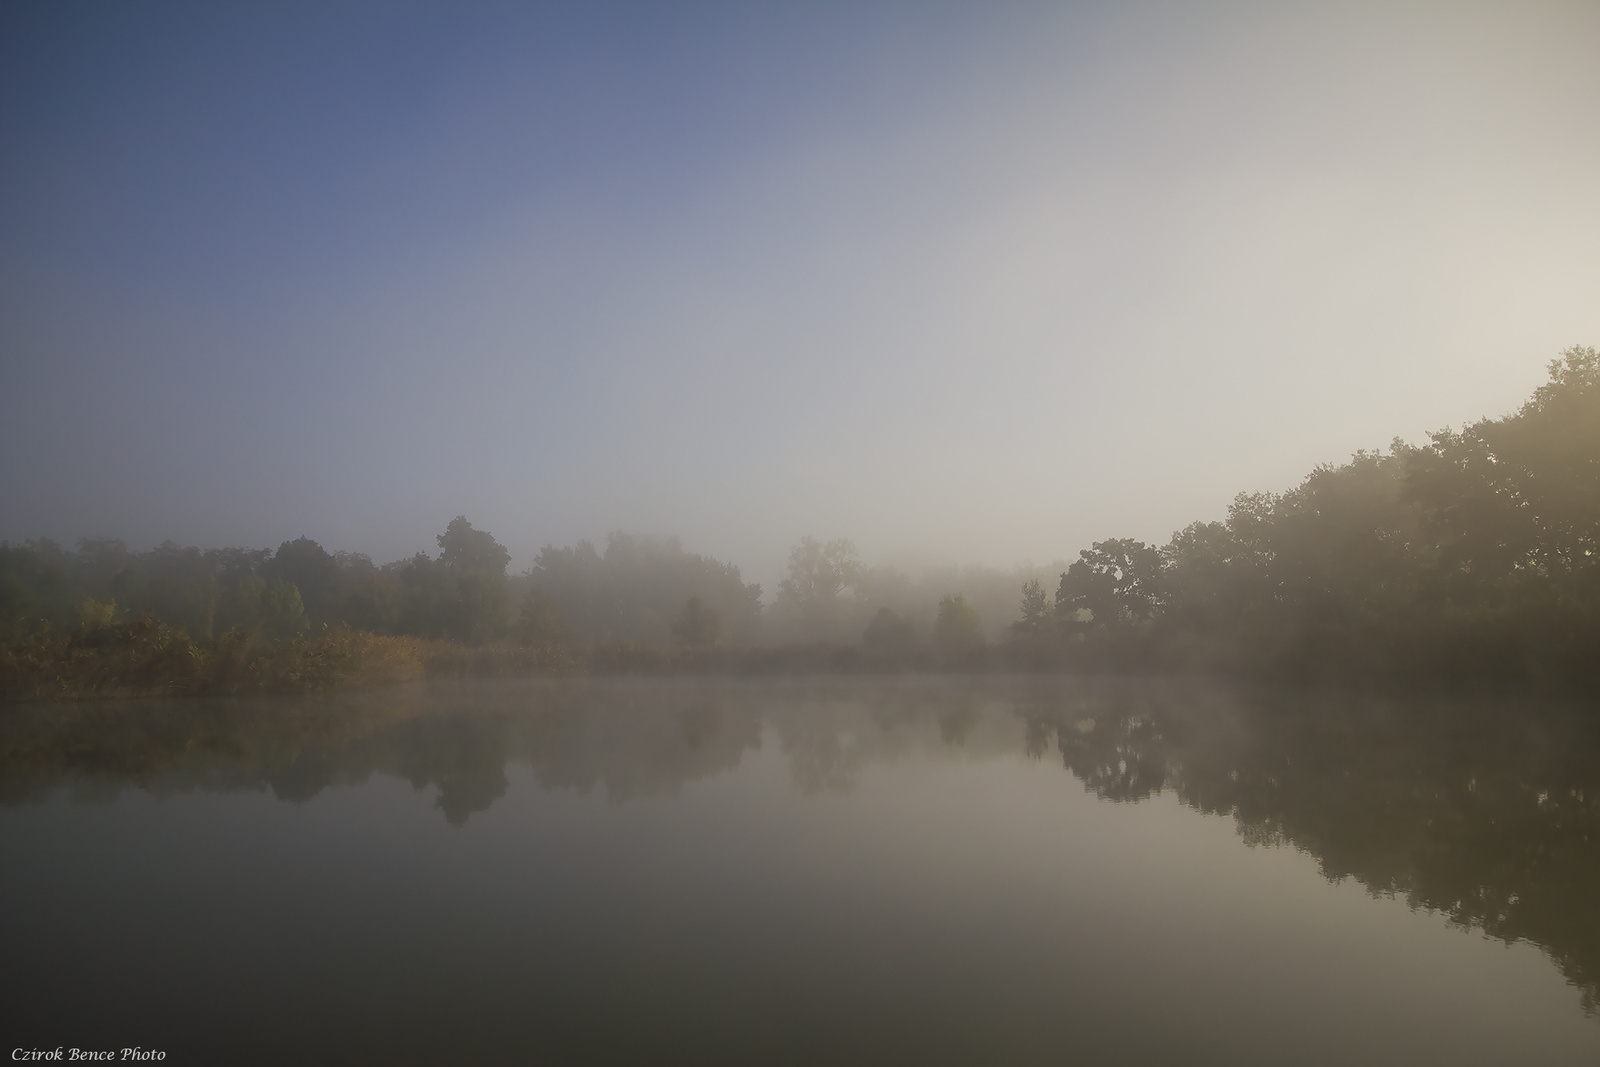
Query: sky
[[961, 282]]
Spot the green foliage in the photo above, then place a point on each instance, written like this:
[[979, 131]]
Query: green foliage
[[143, 656], [462, 595], [244, 606], [313, 571], [283, 613]]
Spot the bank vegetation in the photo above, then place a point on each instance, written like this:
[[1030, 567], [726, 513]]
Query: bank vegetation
[[1471, 559]]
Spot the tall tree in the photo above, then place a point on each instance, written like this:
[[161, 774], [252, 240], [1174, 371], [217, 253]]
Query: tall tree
[[1116, 582], [311, 569], [468, 551]]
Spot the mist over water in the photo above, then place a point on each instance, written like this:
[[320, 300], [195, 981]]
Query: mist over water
[[956, 871], [620, 533]]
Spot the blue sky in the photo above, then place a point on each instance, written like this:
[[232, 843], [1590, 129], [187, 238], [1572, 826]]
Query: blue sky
[[962, 282]]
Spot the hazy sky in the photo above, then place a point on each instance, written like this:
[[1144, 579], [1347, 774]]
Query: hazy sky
[[975, 281]]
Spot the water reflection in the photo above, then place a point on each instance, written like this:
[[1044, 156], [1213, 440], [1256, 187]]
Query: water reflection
[[1487, 811]]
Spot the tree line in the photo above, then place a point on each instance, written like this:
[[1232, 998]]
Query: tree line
[[636, 589], [632, 590], [1476, 555], [1473, 555]]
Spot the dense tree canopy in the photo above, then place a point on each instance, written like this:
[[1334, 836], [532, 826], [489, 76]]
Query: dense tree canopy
[[277, 595], [1113, 583], [312, 570], [1475, 554], [636, 589]]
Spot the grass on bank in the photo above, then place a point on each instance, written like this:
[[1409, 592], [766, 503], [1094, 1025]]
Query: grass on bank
[[102, 657], [105, 656]]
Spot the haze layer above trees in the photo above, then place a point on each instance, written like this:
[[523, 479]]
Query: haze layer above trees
[[1472, 555]]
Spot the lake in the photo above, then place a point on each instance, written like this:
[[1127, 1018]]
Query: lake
[[919, 870]]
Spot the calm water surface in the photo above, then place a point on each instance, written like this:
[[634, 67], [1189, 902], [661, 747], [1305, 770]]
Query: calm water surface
[[919, 871]]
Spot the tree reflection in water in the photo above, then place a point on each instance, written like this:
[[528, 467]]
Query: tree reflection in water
[[1486, 811]]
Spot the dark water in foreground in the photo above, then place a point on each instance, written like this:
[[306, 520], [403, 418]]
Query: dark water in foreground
[[916, 871]]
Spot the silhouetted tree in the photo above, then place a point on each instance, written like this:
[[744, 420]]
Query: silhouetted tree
[[1035, 608], [1476, 554], [311, 569], [462, 594], [468, 551], [1513, 504], [1116, 582]]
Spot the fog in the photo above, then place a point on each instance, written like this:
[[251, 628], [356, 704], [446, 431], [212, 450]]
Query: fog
[[968, 285]]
